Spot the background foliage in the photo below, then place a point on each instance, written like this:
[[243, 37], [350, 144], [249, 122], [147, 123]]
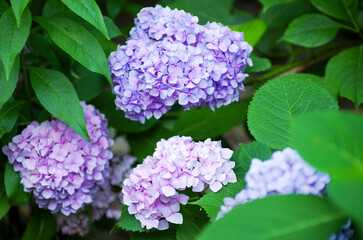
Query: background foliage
[[304, 91]]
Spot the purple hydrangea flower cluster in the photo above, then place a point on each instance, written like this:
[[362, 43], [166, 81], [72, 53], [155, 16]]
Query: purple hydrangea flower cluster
[[107, 200], [285, 173], [170, 58], [177, 163], [59, 167]]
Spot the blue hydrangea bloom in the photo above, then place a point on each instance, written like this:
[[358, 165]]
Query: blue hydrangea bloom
[[170, 58]]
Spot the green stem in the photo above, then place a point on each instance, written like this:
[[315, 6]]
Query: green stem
[[325, 53], [357, 29]]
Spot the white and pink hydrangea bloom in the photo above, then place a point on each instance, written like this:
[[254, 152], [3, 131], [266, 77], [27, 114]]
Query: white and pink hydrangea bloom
[[59, 167], [170, 58], [152, 189]]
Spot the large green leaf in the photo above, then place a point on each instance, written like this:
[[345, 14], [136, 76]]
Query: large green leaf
[[143, 144], [333, 143], [74, 39], [279, 217], [89, 11], [275, 104], [204, 123], [41, 226], [18, 7], [312, 30], [252, 31], [12, 37], [346, 69], [14, 189], [9, 114], [8, 87], [105, 102], [56, 93], [212, 202], [333, 8], [267, 4]]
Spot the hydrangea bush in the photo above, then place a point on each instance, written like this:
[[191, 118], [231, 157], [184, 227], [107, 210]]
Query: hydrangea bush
[[181, 119]]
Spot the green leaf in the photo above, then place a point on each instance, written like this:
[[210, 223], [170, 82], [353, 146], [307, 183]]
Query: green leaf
[[112, 28], [74, 39], [105, 102], [3, 6], [8, 87], [329, 85], [41, 226], [88, 84], [144, 144], [275, 104], [89, 11], [56, 93], [9, 114], [279, 217], [267, 4], [346, 69], [12, 38], [333, 8], [4, 205], [249, 151], [129, 222], [259, 64], [14, 189], [333, 143], [18, 7], [311, 30], [212, 202], [52, 7], [40, 46], [114, 7], [194, 220], [204, 123], [206, 10], [252, 31], [282, 14]]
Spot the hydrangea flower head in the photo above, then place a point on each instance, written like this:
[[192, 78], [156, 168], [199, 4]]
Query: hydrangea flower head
[[151, 191], [285, 173], [59, 167], [170, 58], [106, 200]]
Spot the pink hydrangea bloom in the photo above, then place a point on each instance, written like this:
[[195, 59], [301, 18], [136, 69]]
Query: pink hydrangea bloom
[[59, 167], [151, 191]]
